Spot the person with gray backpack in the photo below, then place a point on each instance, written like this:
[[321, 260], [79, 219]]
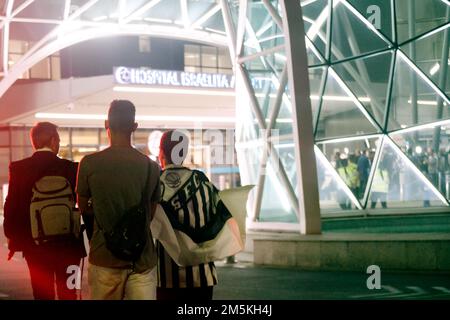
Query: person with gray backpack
[[40, 218]]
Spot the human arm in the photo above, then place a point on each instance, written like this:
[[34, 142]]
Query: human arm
[[11, 205], [84, 198], [156, 194]]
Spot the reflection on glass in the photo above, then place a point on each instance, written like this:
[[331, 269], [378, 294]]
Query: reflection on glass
[[352, 160], [316, 78], [368, 79], [275, 204], [315, 18], [262, 32], [284, 121], [417, 17], [429, 150], [428, 54], [351, 35], [414, 100], [398, 182], [286, 154], [334, 194], [378, 13], [314, 56], [340, 115]]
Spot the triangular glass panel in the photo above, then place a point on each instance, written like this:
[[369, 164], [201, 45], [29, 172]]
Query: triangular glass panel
[[234, 6], [265, 85], [42, 9], [368, 78], [265, 82], [249, 155], [284, 121], [334, 195], [352, 158], [101, 11], [418, 17], [427, 53], [340, 114], [398, 183], [313, 54], [378, 13], [215, 23], [353, 34], [275, 204], [17, 30], [427, 149], [315, 19], [276, 61], [316, 83], [200, 10], [261, 31], [286, 153], [165, 12], [247, 125], [414, 100]]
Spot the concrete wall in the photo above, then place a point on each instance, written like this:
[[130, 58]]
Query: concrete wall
[[421, 252]]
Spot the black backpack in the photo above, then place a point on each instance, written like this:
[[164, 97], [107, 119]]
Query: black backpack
[[128, 237]]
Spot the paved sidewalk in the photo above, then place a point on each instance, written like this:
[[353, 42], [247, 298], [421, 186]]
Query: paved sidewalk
[[245, 281]]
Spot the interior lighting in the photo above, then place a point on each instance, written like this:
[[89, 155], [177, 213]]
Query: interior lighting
[[321, 157], [434, 69], [173, 91], [419, 174], [81, 116]]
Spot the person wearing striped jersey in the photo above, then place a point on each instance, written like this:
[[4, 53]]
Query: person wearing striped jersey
[[189, 200]]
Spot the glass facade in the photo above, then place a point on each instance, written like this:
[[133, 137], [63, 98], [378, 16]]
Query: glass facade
[[48, 68], [379, 92], [207, 59]]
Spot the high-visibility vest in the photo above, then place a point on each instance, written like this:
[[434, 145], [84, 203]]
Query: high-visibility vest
[[380, 181], [350, 175]]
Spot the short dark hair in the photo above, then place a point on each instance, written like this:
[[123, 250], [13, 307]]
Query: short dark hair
[[42, 133], [121, 115], [169, 140]]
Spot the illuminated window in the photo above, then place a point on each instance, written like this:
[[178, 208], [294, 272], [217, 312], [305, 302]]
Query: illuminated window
[[144, 44], [198, 58]]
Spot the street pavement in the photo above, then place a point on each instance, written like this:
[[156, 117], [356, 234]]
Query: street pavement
[[245, 281]]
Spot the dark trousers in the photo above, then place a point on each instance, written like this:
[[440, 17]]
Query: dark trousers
[[46, 270], [185, 294]]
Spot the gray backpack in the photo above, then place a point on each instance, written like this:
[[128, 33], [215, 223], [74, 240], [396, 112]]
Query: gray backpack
[[52, 211]]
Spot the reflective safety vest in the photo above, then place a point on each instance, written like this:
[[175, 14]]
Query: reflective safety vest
[[350, 175], [380, 181]]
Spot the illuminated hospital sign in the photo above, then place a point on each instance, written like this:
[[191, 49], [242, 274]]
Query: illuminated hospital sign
[[145, 76]]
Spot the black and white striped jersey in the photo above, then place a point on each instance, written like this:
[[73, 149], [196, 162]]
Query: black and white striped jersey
[[191, 202]]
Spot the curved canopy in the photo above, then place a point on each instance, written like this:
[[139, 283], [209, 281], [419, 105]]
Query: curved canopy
[[55, 24]]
